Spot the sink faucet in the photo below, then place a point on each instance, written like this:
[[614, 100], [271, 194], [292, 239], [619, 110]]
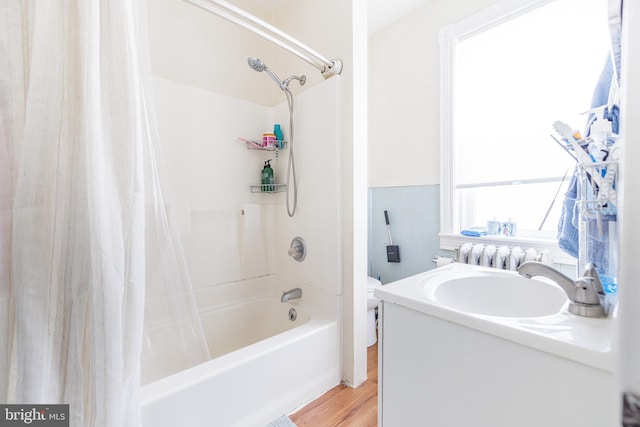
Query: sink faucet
[[583, 293], [294, 293]]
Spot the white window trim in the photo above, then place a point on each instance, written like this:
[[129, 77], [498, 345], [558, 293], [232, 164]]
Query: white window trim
[[449, 38]]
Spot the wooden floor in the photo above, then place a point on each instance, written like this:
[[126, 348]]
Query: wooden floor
[[345, 406]]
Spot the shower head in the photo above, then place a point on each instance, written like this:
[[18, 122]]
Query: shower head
[[257, 65]]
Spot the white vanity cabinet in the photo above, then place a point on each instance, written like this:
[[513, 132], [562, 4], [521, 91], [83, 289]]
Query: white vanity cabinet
[[435, 372]]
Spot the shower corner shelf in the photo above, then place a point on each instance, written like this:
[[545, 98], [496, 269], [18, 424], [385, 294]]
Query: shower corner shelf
[[255, 145], [275, 188]]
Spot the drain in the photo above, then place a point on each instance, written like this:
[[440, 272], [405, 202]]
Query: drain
[[293, 314]]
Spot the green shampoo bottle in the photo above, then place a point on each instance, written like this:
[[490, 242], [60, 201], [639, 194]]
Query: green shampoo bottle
[[266, 177]]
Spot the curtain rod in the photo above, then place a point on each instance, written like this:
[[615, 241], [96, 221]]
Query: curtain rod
[[327, 67]]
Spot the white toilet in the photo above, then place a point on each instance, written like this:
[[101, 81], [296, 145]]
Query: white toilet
[[372, 304]]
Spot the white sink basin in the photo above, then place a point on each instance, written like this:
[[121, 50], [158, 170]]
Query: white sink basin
[[532, 312], [499, 293]]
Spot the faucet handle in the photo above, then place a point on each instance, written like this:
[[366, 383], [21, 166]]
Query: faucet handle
[[590, 271], [295, 250], [586, 301], [586, 293]]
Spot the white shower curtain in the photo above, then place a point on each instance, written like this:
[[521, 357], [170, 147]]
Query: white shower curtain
[[76, 153]]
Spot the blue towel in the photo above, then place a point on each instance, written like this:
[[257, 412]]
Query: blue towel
[[615, 32], [567, 229], [568, 224], [473, 233]]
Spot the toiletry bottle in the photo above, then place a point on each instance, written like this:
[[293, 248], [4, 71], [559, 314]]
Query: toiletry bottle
[[279, 138], [266, 177], [268, 140]]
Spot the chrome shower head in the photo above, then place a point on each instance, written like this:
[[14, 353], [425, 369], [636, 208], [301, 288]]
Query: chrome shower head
[[256, 64]]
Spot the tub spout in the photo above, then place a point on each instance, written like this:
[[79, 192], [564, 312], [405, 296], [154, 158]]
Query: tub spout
[[583, 293], [294, 293]]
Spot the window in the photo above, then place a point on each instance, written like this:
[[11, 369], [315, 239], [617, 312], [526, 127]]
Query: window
[[508, 74]]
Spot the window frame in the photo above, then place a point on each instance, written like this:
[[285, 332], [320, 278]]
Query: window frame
[[449, 37]]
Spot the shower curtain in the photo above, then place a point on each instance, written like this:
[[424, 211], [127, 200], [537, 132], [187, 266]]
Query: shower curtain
[[83, 234]]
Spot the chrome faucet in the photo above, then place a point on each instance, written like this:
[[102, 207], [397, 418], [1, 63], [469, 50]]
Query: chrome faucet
[[584, 293], [294, 293]]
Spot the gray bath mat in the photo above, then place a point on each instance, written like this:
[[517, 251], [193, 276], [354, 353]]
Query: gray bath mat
[[283, 421]]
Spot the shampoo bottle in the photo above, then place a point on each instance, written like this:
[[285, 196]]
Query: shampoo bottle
[[279, 138], [266, 177]]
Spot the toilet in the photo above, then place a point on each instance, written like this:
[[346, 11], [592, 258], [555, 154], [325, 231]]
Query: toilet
[[372, 304]]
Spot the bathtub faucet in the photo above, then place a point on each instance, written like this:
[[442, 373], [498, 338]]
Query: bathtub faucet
[[583, 293], [294, 293]]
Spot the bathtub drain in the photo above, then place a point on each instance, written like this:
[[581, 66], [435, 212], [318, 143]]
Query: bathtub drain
[[293, 314]]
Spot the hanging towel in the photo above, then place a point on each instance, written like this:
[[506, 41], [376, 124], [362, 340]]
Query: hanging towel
[[568, 224]]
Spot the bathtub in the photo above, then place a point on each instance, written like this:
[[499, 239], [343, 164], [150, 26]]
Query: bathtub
[[262, 363]]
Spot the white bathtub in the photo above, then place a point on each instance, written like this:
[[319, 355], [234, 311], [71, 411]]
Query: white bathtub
[[263, 365]]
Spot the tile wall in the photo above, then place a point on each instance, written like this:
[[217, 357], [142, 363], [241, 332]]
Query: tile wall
[[414, 216]]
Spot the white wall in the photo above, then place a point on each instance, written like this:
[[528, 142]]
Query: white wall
[[337, 29], [629, 297], [229, 233], [206, 178], [317, 218], [404, 94], [198, 48]]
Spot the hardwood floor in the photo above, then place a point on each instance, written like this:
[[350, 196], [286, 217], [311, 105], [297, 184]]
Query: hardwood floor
[[344, 406]]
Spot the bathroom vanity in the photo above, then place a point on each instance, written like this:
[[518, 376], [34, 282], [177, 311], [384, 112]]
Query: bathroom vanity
[[454, 351]]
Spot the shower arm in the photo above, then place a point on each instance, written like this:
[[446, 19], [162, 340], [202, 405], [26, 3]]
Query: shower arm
[[327, 67]]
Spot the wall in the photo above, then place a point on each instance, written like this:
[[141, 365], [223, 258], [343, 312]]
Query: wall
[[317, 218], [404, 135], [337, 29], [414, 214], [628, 334], [229, 233], [404, 94], [192, 46], [206, 178]]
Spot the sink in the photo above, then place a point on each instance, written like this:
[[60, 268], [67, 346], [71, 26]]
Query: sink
[[487, 303], [497, 293], [497, 342]]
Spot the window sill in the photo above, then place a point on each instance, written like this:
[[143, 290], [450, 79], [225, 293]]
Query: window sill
[[452, 241]]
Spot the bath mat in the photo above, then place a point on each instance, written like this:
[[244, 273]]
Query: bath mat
[[283, 421]]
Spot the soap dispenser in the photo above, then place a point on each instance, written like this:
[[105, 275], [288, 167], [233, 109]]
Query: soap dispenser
[[266, 177]]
